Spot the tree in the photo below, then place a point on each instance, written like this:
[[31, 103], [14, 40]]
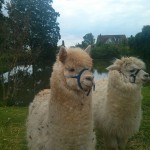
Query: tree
[[141, 43], [36, 20], [88, 40], [32, 30], [1, 4], [105, 51], [131, 41], [1, 23]]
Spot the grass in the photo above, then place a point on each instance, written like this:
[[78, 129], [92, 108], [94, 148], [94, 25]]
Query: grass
[[141, 141], [13, 131], [12, 128]]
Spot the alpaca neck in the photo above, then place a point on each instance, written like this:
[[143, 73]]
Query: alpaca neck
[[71, 115], [124, 99], [69, 101]]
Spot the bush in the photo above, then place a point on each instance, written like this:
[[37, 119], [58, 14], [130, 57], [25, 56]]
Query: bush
[[105, 51]]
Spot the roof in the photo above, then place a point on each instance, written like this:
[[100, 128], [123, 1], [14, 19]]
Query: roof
[[110, 38]]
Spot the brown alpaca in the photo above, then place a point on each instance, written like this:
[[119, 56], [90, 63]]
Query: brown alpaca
[[61, 118]]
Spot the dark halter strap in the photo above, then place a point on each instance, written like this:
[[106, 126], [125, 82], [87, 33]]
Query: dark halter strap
[[78, 77], [134, 75]]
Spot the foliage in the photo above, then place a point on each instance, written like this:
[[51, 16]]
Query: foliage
[[140, 44], [105, 51], [21, 83], [33, 24], [100, 65], [2, 19], [28, 35], [1, 14], [88, 39]]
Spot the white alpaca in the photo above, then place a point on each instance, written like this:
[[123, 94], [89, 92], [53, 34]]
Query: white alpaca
[[61, 118], [117, 102]]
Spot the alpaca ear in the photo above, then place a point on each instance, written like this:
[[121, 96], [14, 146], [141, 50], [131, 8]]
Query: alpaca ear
[[113, 67], [62, 54], [88, 49]]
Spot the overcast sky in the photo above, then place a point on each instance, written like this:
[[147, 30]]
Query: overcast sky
[[79, 17]]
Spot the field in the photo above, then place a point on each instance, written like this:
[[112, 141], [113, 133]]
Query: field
[[13, 131], [12, 128]]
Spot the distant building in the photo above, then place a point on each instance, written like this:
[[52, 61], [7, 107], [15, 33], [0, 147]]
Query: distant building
[[107, 39]]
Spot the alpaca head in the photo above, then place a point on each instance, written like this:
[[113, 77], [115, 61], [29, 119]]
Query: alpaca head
[[132, 68], [77, 65]]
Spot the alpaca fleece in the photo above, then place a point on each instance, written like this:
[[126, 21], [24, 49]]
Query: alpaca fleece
[[61, 118], [117, 102]]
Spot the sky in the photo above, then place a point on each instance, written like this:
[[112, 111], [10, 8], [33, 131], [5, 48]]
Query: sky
[[106, 17]]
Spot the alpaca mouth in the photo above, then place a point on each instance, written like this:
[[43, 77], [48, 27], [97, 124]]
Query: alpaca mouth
[[145, 80], [87, 87]]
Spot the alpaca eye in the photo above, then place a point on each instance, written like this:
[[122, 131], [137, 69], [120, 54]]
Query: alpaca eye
[[71, 70], [133, 70]]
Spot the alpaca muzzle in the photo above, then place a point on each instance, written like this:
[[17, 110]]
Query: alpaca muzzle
[[134, 75], [78, 77], [144, 78]]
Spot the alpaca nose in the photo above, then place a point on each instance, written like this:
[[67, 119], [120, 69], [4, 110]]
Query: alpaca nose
[[89, 78]]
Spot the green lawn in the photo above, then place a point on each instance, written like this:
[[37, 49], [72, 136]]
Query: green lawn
[[12, 128], [13, 131], [141, 141]]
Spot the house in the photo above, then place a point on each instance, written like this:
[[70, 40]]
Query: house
[[107, 39]]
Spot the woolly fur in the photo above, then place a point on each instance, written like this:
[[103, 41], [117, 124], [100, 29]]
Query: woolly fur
[[117, 103], [61, 118]]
